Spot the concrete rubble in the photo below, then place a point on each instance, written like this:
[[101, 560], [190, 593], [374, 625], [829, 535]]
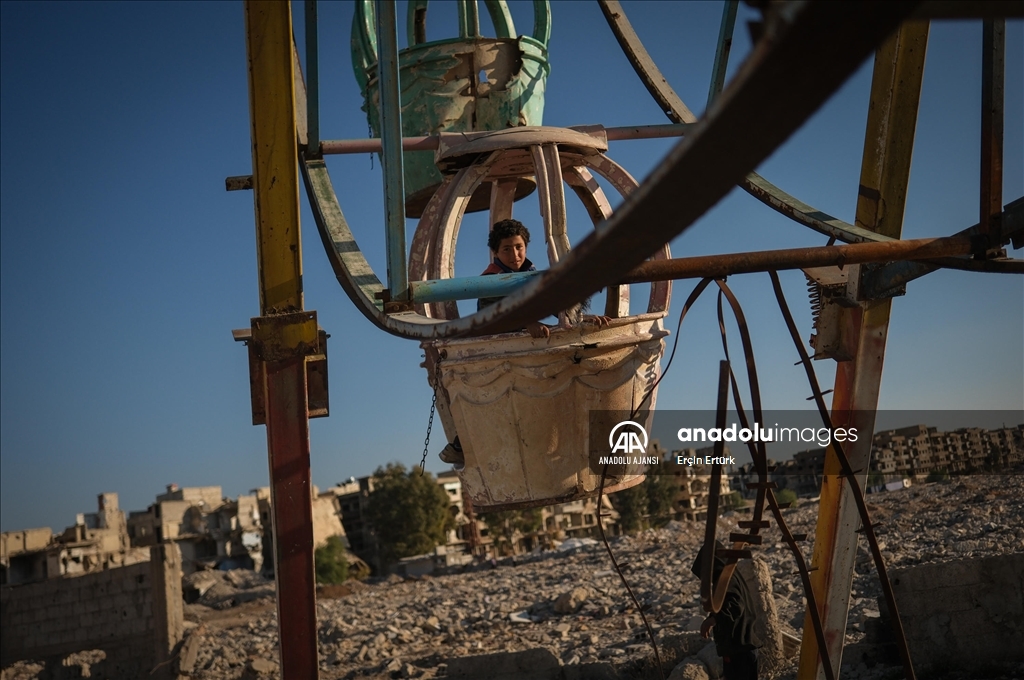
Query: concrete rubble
[[574, 619]]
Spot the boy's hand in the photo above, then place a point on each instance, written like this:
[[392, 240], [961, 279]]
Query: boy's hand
[[538, 330], [599, 321], [705, 628]]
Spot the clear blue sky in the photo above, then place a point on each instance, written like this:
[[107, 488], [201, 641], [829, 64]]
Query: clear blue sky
[[125, 264]]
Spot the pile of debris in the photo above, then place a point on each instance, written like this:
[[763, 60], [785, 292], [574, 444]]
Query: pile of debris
[[566, 610]]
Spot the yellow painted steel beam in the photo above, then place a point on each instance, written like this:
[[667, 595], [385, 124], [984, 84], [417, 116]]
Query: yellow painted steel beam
[[284, 335], [274, 155], [881, 199]]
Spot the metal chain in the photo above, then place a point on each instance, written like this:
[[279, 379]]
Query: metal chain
[[430, 421]]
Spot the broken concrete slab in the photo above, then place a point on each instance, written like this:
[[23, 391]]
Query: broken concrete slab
[[689, 669], [713, 664], [568, 603], [966, 613], [530, 664], [591, 671]]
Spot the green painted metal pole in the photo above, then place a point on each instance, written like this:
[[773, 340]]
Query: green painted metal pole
[[722, 52], [391, 139]]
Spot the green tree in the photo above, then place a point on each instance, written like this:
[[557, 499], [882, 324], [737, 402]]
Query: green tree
[[876, 478], [329, 562], [632, 506], [506, 523], [786, 496], [409, 512], [733, 501], [661, 488], [938, 476]]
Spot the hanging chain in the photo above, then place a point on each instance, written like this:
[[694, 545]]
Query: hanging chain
[[433, 405]]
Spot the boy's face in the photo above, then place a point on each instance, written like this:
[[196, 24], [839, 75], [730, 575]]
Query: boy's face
[[512, 252]]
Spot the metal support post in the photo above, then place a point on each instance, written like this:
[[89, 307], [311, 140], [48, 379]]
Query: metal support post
[[993, 58], [312, 82], [284, 335], [885, 173], [391, 139]]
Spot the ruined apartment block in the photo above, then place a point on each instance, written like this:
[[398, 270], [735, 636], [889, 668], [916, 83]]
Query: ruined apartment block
[[95, 542]]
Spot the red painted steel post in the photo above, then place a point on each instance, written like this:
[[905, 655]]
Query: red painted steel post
[[290, 489]]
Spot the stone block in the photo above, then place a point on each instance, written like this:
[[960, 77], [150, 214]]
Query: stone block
[[689, 669], [569, 602], [713, 664], [530, 664], [964, 614], [591, 671]]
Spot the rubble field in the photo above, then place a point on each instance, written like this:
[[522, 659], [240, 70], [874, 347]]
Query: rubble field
[[574, 605]]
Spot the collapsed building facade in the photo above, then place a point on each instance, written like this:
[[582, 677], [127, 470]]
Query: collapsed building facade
[[95, 542], [211, 531]]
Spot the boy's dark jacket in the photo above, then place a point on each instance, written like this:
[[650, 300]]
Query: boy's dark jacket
[[498, 267], [734, 623]]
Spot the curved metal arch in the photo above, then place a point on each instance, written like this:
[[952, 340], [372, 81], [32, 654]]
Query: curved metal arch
[[677, 111], [754, 184]]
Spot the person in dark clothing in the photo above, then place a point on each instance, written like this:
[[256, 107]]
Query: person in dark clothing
[[508, 242], [733, 626]]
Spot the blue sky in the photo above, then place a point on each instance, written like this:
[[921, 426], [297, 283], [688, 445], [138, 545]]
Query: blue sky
[[125, 264]]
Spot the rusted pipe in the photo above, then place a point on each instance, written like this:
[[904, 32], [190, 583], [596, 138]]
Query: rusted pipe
[[430, 143], [797, 258]]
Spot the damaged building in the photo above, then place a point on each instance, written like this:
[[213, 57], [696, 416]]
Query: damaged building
[[691, 501], [95, 542], [211, 531]]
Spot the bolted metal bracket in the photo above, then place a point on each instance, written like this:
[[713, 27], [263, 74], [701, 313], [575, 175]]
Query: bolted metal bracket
[[280, 337], [830, 292], [317, 391], [238, 183], [393, 306]]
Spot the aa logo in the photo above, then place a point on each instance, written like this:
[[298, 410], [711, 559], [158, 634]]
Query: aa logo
[[631, 438]]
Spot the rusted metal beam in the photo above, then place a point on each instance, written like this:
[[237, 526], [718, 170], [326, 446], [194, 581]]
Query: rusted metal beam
[[713, 266], [993, 58], [283, 335], [798, 258], [885, 174], [432, 142]]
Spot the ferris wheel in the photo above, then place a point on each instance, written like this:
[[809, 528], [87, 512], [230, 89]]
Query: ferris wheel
[[458, 125]]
